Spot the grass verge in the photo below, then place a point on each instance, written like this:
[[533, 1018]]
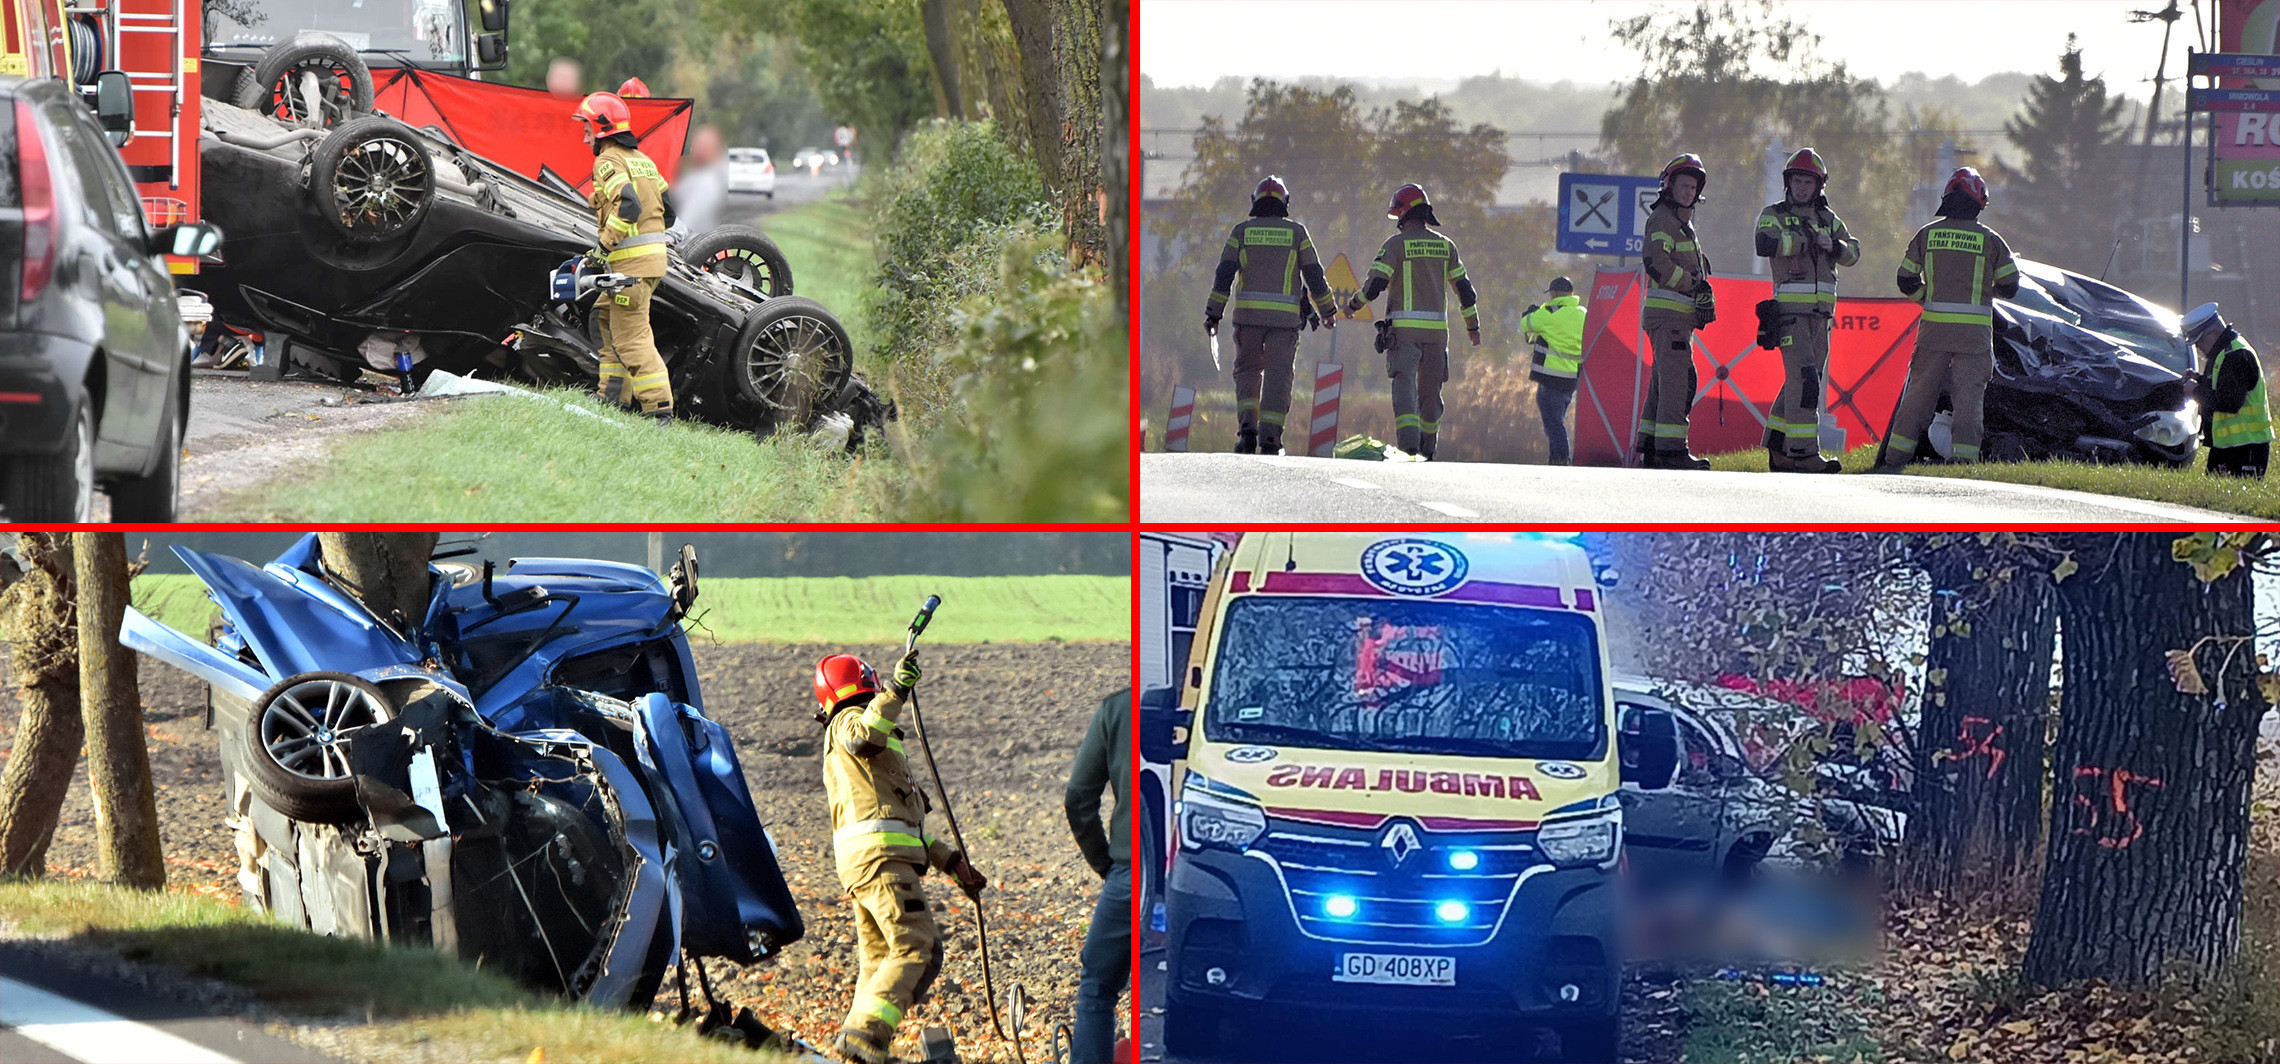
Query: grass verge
[[1736, 1021], [859, 610], [828, 243], [2181, 487], [418, 1002]]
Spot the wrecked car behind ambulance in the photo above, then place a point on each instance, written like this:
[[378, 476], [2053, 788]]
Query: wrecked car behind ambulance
[[524, 775]]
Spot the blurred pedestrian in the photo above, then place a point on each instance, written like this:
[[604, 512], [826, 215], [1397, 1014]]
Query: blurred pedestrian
[[701, 187], [1554, 330], [2232, 391], [1102, 761], [1956, 268], [566, 78]]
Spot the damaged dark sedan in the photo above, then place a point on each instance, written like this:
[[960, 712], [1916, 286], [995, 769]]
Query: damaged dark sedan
[[524, 775]]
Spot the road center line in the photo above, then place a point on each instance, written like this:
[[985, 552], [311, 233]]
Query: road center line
[[84, 1032], [1449, 508], [1354, 483]]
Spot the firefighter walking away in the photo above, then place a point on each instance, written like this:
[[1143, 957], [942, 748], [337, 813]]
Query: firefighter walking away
[[1273, 255], [1417, 266], [1678, 301], [1805, 242], [1956, 268], [629, 205], [879, 840]]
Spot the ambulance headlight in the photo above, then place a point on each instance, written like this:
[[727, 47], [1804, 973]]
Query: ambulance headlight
[[1582, 841], [1210, 821]]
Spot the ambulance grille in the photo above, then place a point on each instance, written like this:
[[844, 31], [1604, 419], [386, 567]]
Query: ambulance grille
[[1399, 877]]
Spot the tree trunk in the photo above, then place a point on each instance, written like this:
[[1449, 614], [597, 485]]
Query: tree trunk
[[2149, 812], [43, 656], [118, 762], [387, 571], [1979, 751], [1116, 147], [1041, 83], [941, 47]]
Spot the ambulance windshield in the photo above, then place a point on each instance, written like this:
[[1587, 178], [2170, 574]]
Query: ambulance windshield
[[1408, 677]]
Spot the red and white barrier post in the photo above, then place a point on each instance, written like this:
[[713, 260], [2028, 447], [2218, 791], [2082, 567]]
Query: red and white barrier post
[[1183, 413], [1322, 431]]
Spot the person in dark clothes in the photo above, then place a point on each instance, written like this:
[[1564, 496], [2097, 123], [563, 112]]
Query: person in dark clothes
[[1102, 764], [2232, 391]]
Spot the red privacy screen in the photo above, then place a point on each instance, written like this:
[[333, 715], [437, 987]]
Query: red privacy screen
[[524, 129]]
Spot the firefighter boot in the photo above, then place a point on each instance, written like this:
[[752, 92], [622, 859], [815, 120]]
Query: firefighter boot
[[1674, 460], [1427, 443], [1247, 441], [1781, 461], [856, 1046]]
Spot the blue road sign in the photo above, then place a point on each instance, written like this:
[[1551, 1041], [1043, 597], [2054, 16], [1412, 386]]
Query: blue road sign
[[2232, 99], [1605, 214], [2234, 65]]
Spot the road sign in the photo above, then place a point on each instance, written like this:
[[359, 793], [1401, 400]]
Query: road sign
[[2232, 99], [1344, 286], [2233, 65], [1605, 214]]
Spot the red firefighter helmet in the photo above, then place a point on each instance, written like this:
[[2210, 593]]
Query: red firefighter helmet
[[1271, 186], [1407, 198], [839, 678], [606, 113], [1967, 181], [1688, 163], [1806, 161], [635, 89]]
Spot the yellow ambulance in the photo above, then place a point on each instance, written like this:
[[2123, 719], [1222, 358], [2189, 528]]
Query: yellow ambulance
[[1397, 793]]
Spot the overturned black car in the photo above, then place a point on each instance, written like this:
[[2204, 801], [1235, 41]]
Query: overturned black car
[[2089, 372], [358, 242]]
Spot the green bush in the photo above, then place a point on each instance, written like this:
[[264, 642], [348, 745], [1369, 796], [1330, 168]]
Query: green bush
[[1035, 428], [944, 212]]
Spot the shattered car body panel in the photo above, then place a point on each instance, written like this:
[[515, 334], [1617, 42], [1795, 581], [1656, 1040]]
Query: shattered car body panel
[[2088, 371], [545, 796]]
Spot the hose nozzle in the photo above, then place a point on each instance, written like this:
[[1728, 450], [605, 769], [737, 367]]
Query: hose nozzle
[[918, 624]]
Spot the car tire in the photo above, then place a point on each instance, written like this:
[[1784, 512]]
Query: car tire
[[55, 488], [279, 770], [1194, 1031], [342, 74], [1594, 1041], [154, 497], [372, 179], [742, 254], [792, 357]]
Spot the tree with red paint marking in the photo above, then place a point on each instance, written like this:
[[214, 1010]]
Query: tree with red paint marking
[[2154, 758]]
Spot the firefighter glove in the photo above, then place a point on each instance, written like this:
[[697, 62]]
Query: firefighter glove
[[906, 672], [1211, 324], [1474, 335], [970, 879]]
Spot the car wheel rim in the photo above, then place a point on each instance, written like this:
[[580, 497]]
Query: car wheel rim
[[380, 184], [792, 358], [289, 97], [745, 267], [301, 728]]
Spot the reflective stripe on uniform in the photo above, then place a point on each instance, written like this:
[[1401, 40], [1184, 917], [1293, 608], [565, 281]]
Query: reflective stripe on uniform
[[1949, 313], [1666, 299], [1407, 421], [623, 253], [1662, 431], [887, 832], [1419, 319], [1966, 452], [1429, 427], [1979, 309], [874, 1005], [618, 225], [643, 240], [2252, 423]]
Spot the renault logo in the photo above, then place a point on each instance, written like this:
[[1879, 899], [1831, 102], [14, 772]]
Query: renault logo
[[1400, 842]]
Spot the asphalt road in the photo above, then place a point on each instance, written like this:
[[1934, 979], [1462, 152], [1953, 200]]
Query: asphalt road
[[1219, 488], [52, 1012], [793, 188]]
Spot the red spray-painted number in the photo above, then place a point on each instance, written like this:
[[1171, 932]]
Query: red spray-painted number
[[1976, 745], [2104, 792]]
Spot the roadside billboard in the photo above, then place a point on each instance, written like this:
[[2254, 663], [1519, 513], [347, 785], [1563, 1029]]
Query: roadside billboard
[[2245, 169]]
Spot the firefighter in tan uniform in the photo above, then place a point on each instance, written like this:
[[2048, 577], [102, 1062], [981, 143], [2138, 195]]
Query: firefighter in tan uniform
[[1413, 267], [1806, 242], [629, 205], [1677, 298], [1275, 257], [1956, 268], [878, 836]]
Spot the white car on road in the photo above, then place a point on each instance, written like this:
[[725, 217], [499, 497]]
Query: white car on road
[[750, 170]]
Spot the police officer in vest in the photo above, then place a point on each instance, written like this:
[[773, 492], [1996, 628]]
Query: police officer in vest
[[1956, 268], [2240, 412], [1274, 256], [1555, 333], [1806, 242]]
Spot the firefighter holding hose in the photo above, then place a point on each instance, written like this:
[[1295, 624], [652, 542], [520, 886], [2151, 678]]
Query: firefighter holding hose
[[879, 838]]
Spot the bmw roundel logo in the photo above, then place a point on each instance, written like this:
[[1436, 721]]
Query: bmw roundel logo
[[1413, 567], [1251, 755], [1560, 770]]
